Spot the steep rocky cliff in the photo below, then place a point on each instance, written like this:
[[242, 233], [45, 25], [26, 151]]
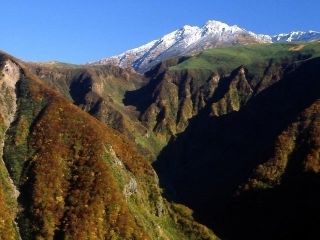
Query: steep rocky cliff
[[9, 75]]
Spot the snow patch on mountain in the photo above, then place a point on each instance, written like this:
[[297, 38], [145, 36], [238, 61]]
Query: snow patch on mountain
[[297, 36]]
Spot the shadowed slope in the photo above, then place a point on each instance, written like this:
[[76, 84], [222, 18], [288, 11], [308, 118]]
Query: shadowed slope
[[205, 166]]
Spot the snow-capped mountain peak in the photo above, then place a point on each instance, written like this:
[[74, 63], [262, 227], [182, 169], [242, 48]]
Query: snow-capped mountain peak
[[185, 34], [297, 36], [192, 39], [214, 27]]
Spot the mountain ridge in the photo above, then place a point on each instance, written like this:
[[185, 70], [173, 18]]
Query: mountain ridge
[[189, 40]]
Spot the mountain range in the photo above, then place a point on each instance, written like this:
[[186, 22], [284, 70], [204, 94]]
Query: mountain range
[[220, 143], [190, 40]]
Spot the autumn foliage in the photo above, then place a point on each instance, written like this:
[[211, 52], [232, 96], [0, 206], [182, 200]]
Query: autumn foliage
[[69, 187]]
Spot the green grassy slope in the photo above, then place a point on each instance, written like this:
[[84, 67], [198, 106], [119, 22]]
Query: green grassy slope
[[227, 59]]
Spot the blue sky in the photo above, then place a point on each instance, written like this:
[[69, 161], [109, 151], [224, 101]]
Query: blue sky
[[78, 31]]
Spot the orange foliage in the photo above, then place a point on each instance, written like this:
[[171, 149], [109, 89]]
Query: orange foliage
[[74, 192], [7, 231]]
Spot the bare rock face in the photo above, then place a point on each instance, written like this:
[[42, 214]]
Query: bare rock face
[[10, 74], [114, 157], [237, 94], [130, 188]]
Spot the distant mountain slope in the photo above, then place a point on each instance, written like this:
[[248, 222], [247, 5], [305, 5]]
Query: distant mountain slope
[[297, 37], [184, 41], [192, 39]]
